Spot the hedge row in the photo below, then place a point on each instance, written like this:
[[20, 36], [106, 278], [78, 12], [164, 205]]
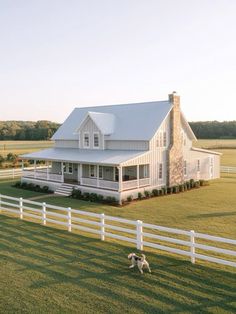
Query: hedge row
[[93, 197], [32, 187], [188, 185]]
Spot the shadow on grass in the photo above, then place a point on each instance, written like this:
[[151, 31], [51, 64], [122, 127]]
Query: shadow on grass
[[217, 214], [77, 266]]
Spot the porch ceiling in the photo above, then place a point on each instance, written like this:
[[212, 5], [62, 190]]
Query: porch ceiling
[[105, 157]]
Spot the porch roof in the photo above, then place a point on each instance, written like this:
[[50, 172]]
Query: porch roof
[[107, 157]]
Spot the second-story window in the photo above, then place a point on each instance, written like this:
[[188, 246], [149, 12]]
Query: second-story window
[[86, 139], [164, 139], [95, 140]]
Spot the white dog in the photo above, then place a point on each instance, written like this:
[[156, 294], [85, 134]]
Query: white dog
[[139, 261]]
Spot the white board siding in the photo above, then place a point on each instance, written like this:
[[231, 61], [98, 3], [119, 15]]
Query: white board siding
[[66, 144], [205, 164], [90, 127], [127, 145], [159, 155]]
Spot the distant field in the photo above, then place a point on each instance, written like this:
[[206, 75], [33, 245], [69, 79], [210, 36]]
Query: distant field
[[22, 147], [216, 144], [226, 147]]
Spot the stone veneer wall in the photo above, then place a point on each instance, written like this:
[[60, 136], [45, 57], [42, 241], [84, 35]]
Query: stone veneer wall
[[175, 153]]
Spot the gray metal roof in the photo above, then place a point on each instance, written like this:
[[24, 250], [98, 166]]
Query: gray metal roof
[[105, 157], [137, 121]]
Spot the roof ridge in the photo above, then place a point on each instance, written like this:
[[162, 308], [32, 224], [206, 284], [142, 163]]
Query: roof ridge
[[129, 104]]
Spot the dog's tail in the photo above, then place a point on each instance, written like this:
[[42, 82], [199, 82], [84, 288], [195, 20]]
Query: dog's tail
[[143, 257]]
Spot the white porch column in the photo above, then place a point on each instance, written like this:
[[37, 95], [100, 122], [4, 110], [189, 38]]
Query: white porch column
[[35, 168], [138, 176], [47, 170], [81, 174], [120, 178], [22, 164], [97, 176], [62, 172]]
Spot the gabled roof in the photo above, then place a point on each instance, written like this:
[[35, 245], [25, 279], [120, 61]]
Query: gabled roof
[[137, 121], [103, 157], [104, 121]]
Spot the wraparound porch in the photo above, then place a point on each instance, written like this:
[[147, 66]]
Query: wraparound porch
[[115, 178]]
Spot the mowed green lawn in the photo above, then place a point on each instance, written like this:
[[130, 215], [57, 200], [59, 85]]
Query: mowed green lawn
[[48, 270]]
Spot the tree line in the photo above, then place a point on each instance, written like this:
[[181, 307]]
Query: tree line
[[27, 130], [214, 129], [44, 130]]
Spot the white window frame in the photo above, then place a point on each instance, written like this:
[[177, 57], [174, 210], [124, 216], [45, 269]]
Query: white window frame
[[160, 171], [100, 174], [84, 134], [66, 167], [198, 165], [146, 171], [164, 139], [185, 168], [96, 133], [94, 171]]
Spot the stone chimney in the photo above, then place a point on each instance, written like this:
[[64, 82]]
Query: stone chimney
[[175, 154]]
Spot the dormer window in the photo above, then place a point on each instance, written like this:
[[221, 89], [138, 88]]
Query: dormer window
[[95, 140], [86, 139]]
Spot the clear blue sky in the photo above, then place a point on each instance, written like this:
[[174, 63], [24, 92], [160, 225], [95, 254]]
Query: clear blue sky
[[59, 54]]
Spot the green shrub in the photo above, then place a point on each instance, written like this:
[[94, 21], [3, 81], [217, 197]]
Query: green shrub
[[129, 198], [155, 192], [191, 182], [17, 184], [164, 191], [203, 182], [86, 196], [188, 185], [176, 189], [181, 188], [197, 184], [170, 190], [147, 194], [24, 185], [45, 189], [93, 197], [140, 196], [100, 198], [111, 200]]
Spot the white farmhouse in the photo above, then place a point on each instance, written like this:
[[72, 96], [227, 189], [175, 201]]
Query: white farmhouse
[[121, 150]]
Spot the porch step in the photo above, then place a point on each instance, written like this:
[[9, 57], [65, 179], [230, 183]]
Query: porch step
[[65, 189]]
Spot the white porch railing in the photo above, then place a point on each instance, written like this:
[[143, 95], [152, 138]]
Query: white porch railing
[[42, 174], [133, 184], [105, 184]]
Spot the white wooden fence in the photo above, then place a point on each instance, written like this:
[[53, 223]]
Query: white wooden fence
[[136, 232], [13, 173], [227, 169]]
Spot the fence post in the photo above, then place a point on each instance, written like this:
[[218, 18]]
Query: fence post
[[21, 207], [69, 219], [102, 227], [44, 217], [192, 248], [139, 230]]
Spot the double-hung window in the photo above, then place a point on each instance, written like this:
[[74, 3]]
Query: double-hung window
[[95, 140], [160, 171], [92, 171], [198, 165], [185, 167], [86, 139]]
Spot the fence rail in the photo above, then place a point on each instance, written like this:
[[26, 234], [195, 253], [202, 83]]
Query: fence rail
[[137, 232], [13, 173], [227, 169]]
